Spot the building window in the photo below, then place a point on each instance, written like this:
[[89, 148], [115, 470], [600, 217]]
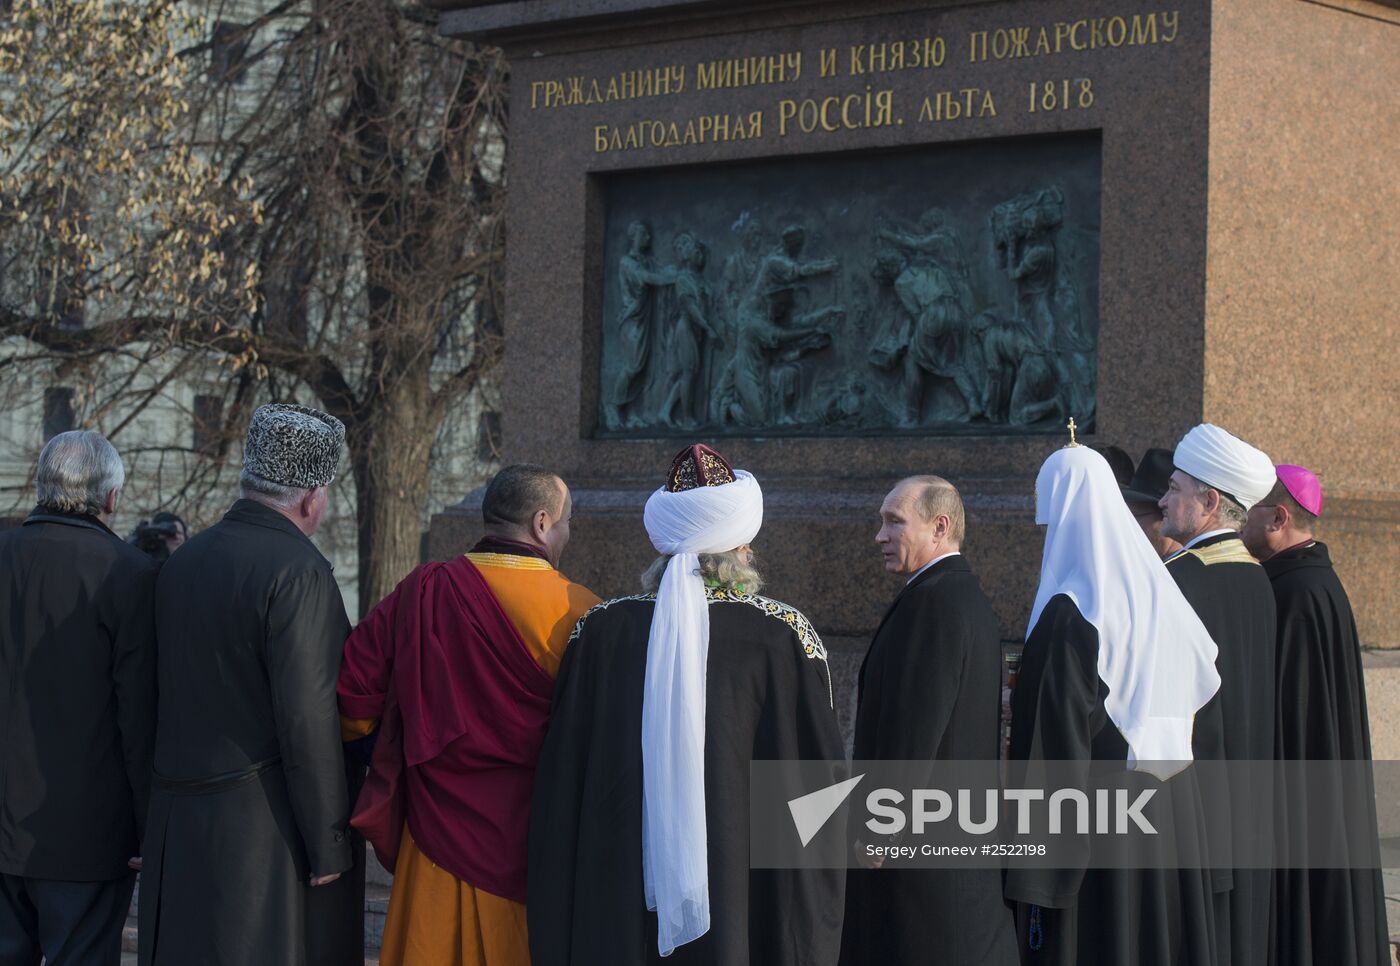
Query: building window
[[228, 45], [208, 424], [58, 411]]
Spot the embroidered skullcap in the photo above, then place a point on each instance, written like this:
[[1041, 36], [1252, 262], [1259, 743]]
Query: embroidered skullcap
[[293, 445], [1227, 463], [698, 465]]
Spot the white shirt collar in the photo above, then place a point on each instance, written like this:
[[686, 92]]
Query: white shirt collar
[[1206, 536], [951, 553]]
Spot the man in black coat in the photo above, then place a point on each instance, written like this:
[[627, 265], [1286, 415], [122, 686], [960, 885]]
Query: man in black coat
[[1218, 477], [249, 810], [930, 690], [77, 668], [1320, 915]]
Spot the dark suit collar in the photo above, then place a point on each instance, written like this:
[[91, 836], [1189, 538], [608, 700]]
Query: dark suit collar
[[42, 515], [947, 565], [1297, 558], [255, 514]]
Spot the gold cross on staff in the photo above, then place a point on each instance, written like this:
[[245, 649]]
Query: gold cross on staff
[[1072, 428]]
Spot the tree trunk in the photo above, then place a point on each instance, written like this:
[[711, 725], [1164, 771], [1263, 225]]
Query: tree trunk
[[390, 453]]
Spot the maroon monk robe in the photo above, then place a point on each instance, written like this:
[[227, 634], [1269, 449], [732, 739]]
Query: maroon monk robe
[[473, 706]]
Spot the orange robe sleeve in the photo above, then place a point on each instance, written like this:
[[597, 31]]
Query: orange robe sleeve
[[542, 603]]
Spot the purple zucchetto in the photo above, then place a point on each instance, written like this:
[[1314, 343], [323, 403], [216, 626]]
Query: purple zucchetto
[[1302, 484]]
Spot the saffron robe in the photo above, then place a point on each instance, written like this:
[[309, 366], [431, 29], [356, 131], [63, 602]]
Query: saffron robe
[[1322, 915], [449, 902]]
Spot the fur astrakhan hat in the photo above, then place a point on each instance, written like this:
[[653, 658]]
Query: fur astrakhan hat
[[293, 445]]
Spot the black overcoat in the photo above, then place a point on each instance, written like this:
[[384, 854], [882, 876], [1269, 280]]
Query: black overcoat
[[1087, 915], [77, 675], [767, 696], [1231, 595], [930, 690], [1322, 915], [250, 797]]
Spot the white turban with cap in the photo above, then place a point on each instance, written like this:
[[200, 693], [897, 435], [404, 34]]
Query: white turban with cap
[[684, 524], [1228, 464]]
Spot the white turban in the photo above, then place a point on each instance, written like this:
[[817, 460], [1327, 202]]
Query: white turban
[[1155, 655], [706, 519], [1228, 464]]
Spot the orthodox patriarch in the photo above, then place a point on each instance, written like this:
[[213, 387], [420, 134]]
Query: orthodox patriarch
[[1116, 668]]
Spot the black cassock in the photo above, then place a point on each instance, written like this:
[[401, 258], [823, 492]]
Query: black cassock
[[768, 696], [1231, 595], [930, 690], [1101, 916], [250, 797], [1322, 915]]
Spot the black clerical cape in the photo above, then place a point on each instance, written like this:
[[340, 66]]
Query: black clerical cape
[[768, 696], [1101, 916], [930, 690], [1322, 915], [1230, 593], [250, 793]]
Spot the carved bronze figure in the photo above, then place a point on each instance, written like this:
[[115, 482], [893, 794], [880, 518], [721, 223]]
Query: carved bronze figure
[[906, 294]]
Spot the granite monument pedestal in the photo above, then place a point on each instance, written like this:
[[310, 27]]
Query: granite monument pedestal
[[1210, 184]]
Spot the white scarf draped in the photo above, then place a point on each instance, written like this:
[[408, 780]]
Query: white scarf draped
[[707, 519], [1155, 655]]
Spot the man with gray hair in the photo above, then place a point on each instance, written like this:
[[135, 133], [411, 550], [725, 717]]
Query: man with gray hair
[[930, 690], [1217, 479], [247, 828], [77, 667]]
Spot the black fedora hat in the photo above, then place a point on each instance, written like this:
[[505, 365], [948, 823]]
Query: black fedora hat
[[1149, 483]]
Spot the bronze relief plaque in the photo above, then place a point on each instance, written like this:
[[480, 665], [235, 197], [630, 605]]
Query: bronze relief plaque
[[946, 290]]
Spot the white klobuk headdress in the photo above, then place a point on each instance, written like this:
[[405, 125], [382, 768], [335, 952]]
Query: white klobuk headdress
[[1155, 655]]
